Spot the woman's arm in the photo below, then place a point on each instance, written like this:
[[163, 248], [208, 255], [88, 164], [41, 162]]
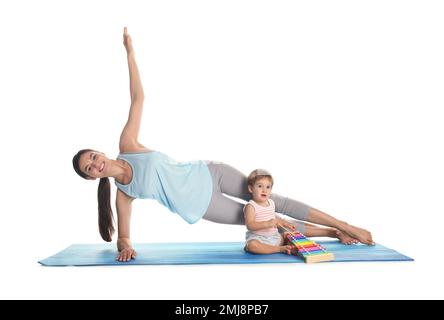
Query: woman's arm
[[130, 133], [123, 205], [252, 224]]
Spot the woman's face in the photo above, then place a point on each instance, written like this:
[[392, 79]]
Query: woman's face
[[95, 164]]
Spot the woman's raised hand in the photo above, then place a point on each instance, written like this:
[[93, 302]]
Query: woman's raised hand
[[127, 42]]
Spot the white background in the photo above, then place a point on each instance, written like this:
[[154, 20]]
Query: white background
[[340, 100]]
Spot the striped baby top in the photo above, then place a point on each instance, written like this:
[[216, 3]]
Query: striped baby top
[[264, 214]]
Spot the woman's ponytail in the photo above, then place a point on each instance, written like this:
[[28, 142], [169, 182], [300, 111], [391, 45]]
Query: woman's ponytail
[[106, 219]]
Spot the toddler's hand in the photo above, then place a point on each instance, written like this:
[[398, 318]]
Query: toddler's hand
[[288, 225]]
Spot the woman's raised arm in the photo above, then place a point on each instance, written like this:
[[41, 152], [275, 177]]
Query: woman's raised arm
[[129, 137]]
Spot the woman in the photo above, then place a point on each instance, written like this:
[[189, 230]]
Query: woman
[[191, 189]]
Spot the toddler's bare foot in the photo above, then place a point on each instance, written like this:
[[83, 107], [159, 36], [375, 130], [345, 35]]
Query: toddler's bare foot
[[360, 234], [344, 238], [286, 249]]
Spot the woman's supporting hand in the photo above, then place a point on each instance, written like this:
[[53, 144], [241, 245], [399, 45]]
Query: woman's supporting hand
[[126, 251], [127, 42], [126, 254]]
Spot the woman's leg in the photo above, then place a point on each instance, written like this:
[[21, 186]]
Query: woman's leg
[[224, 210], [316, 231], [301, 211], [231, 181], [290, 207], [322, 218]]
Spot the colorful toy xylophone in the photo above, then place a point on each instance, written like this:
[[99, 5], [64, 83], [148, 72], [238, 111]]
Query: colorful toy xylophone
[[309, 250]]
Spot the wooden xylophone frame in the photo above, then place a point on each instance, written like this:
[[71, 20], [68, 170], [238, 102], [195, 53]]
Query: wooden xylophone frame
[[308, 250]]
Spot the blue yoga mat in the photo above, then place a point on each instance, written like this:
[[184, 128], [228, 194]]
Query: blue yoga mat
[[208, 253]]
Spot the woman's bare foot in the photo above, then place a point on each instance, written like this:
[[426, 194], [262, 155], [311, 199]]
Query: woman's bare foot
[[344, 237], [359, 234]]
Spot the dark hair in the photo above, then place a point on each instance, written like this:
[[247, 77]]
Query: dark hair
[[106, 218]]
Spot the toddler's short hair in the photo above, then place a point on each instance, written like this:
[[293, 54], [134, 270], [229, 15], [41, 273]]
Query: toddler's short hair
[[259, 174]]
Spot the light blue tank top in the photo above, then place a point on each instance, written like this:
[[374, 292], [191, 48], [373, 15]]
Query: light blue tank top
[[183, 187]]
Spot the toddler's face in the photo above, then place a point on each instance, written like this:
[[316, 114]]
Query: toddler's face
[[261, 190]]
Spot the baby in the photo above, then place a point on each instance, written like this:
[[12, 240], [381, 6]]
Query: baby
[[262, 223], [260, 217]]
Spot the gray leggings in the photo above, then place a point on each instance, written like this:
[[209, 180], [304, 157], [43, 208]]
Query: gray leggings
[[230, 181]]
